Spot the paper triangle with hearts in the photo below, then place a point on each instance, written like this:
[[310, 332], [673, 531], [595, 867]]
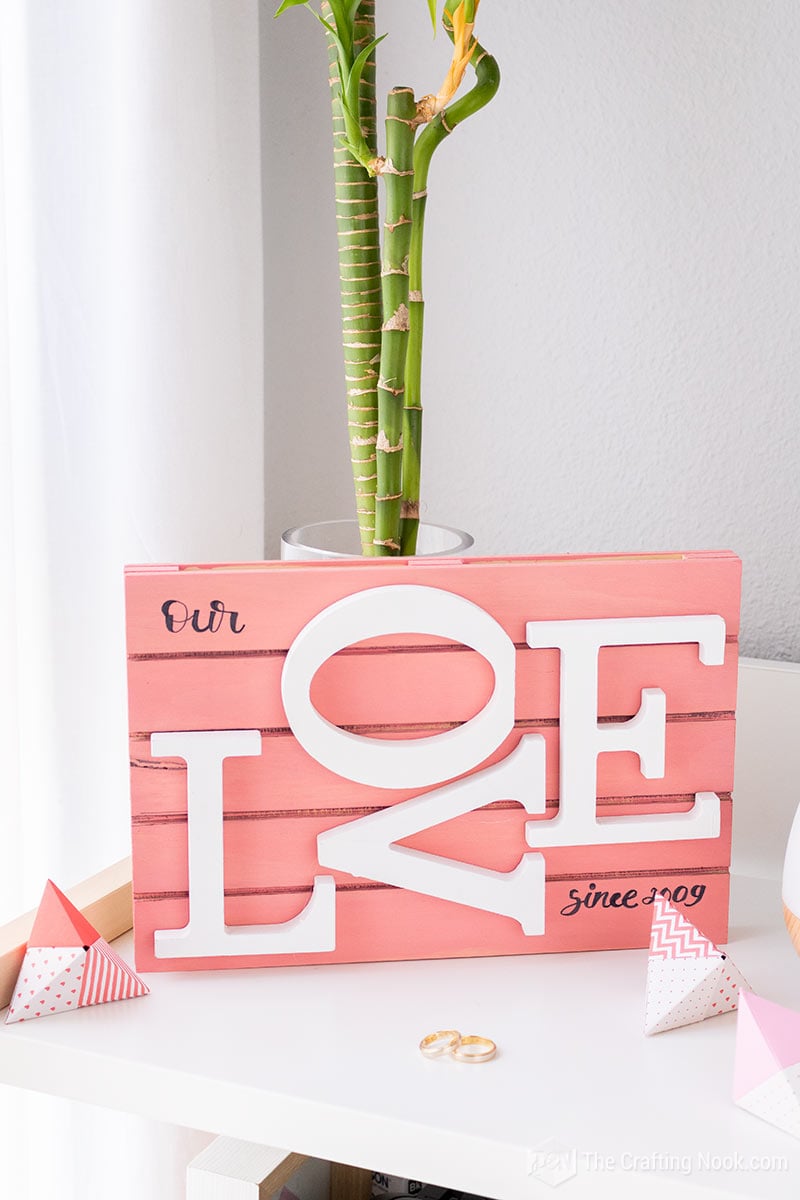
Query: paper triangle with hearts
[[68, 965], [767, 1073], [688, 978]]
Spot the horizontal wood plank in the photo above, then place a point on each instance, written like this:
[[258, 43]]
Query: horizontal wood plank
[[274, 604], [388, 924], [416, 686], [269, 853], [698, 757]]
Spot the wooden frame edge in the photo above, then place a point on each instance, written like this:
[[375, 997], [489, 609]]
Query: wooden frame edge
[[106, 900]]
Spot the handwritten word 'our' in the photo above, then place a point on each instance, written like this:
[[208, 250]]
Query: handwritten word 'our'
[[177, 617]]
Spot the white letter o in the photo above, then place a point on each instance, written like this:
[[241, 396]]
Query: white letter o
[[407, 608]]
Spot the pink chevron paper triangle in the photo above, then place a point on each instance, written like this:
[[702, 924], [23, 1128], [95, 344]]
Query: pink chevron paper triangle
[[688, 978], [82, 969], [672, 935], [767, 1073]]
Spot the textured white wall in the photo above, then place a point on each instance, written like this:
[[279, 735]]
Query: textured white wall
[[612, 281]]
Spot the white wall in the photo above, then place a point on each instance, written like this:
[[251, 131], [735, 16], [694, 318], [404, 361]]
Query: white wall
[[612, 278]]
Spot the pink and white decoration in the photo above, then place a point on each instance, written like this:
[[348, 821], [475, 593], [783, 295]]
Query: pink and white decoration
[[688, 977], [78, 971], [354, 762], [767, 1079]]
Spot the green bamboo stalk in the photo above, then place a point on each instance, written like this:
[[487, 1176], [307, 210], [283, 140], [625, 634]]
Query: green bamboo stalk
[[398, 175], [358, 236], [487, 81]]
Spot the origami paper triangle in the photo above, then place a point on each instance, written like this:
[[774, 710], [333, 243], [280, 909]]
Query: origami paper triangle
[[688, 977], [68, 965], [59, 923], [672, 935], [767, 1075]]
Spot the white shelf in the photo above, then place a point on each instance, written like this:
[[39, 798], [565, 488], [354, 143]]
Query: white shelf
[[324, 1060]]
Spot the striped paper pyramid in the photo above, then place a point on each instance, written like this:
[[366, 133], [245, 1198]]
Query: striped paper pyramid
[[688, 977], [67, 965]]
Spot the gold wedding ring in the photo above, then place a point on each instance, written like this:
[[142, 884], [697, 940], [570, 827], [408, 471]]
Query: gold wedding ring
[[442, 1042], [474, 1049], [470, 1049]]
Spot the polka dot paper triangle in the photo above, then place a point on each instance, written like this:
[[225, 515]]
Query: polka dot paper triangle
[[688, 978], [68, 965], [50, 981]]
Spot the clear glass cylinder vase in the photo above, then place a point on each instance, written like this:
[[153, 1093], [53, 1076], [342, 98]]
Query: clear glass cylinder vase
[[340, 539]]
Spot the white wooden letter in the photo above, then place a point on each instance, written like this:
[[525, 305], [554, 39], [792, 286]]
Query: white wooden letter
[[581, 739], [365, 847], [206, 935], [405, 608]]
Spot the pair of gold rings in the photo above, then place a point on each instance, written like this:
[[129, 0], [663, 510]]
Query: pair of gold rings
[[469, 1049]]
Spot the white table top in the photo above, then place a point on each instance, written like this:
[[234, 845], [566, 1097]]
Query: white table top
[[324, 1060]]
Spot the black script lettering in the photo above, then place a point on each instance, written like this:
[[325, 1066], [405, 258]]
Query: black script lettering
[[569, 910], [218, 611], [594, 897], [697, 891], [678, 895], [176, 614], [196, 626], [176, 617]]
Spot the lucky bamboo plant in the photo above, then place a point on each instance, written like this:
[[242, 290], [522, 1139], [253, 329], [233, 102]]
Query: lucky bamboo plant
[[381, 277]]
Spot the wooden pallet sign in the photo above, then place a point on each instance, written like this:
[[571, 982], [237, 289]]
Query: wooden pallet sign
[[358, 761]]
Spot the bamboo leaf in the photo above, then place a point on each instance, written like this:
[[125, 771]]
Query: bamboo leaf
[[343, 55], [431, 10], [357, 70], [354, 140], [288, 4], [342, 19], [352, 127]]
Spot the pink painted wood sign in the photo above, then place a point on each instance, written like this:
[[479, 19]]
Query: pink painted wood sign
[[355, 761]]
